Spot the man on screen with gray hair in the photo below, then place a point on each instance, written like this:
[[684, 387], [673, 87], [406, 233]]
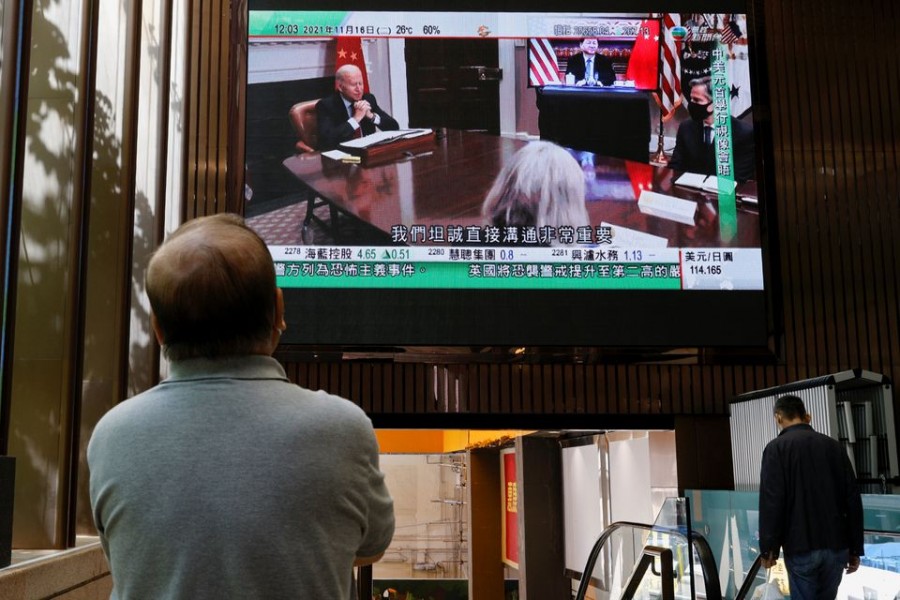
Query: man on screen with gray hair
[[349, 112]]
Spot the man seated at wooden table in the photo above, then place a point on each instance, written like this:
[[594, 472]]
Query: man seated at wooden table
[[349, 112], [446, 187]]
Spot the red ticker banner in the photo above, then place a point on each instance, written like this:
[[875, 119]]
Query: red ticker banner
[[510, 508]]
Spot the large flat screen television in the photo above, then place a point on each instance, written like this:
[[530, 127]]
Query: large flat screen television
[[483, 206]]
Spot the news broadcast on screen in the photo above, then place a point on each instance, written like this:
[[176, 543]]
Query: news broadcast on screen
[[513, 154]]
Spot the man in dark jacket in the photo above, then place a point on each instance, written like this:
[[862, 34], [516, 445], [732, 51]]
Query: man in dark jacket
[[349, 112], [695, 142], [809, 505]]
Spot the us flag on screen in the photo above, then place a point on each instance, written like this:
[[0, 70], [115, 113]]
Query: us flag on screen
[[543, 67], [669, 96], [731, 31], [350, 52]]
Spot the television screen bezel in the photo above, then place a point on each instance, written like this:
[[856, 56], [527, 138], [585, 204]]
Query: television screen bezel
[[313, 312]]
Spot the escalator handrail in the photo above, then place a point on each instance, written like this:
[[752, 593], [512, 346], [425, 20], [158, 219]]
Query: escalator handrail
[[713, 590], [747, 585]]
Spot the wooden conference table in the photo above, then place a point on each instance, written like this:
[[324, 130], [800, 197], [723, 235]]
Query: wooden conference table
[[445, 182]]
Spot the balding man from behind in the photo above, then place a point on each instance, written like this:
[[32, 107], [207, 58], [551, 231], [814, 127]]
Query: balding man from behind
[[226, 480], [349, 112]]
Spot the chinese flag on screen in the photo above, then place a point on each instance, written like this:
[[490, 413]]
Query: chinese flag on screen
[[643, 65], [349, 52], [641, 177]]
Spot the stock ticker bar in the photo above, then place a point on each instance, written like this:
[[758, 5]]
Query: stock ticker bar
[[517, 268], [487, 275]]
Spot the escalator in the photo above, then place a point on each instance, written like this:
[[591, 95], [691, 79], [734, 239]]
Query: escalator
[[656, 572], [669, 560], [666, 560]]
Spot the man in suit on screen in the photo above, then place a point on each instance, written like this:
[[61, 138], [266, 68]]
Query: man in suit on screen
[[695, 143], [349, 112], [589, 67]]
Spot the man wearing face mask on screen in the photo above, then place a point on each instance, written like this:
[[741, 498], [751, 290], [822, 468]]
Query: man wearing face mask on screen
[[695, 143]]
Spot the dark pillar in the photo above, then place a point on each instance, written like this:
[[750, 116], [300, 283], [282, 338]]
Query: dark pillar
[[364, 582], [703, 451], [484, 502], [7, 489], [541, 543]]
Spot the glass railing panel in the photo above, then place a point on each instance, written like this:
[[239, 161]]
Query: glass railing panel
[[617, 559], [651, 584], [672, 530], [624, 546], [878, 577], [730, 522], [881, 512]]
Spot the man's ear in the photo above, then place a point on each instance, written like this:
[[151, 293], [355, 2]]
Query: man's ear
[[279, 310], [154, 324], [807, 418]]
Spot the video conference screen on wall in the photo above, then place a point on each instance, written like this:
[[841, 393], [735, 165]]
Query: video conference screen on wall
[[496, 177]]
